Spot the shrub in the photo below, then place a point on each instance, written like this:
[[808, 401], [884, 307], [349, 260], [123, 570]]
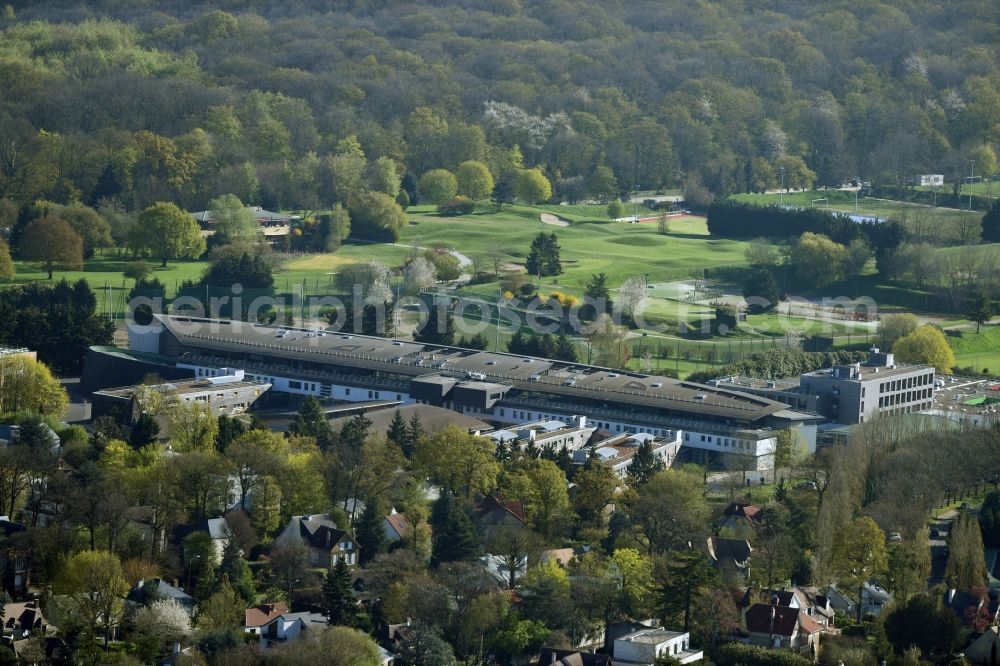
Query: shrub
[[457, 206]]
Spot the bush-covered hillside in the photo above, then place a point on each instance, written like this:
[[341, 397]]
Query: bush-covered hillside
[[181, 99]]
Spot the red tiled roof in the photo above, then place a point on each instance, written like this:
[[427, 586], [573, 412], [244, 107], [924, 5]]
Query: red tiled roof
[[398, 522], [766, 619], [809, 625], [493, 503], [743, 510], [261, 614]]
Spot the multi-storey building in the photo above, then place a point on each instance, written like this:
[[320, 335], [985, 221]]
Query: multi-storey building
[[505, 388]]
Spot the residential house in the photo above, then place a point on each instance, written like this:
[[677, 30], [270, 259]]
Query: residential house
[[50, 649], [874, 598], [783, 618], [762, 595], [9, 433], [157, 588], [257, 616], [15, 555], [505, 570], [562, 556], [492, 512], [840, 602], [645, 646], [22, 618], [806, 599], [325, 542], [818, 606], [985, 650], [616, 630], [740, 519], [396, 526], [288, 626], [772, 626], [730, 556], [972, 609], [220, 533], [557, 657]]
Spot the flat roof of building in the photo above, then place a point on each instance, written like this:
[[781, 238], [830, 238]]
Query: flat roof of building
[[414, 360], [185, 387], [737, 382], [652, 636], [968, 395], [872, 372]]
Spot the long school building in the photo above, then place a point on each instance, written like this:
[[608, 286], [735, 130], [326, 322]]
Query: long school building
[[716, 425]]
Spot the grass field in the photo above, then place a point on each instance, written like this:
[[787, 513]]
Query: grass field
[[977, 350], [589, 244], [979, 189]]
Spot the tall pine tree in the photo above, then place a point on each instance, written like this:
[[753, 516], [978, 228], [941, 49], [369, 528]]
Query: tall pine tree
[[311, 422], [234, 569], [397, 430], [369, 533], [414, 432], [455, 537], [966, 567], [338, 600], [688, 573], [644, 464]]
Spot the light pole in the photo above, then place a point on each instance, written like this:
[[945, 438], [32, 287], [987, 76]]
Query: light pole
[[972, 174], [856, 199], [781, 192], [190, 562]]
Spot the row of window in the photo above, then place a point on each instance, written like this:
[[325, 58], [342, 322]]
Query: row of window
[[726, 442], [906, 383], [900, 398]]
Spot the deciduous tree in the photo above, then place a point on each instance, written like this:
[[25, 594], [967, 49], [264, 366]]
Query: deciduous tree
[[458, 460], [93, 583], [532, 187], [474, 180], [672, 511], [53, 244], [926, 345], [167, 232], [859, 553], [27, 385], [437, 185]]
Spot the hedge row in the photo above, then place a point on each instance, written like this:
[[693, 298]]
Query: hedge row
[[778, 363]]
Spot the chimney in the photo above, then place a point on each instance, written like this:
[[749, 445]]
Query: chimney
[[177, 648], [951, 595], [553, 660]]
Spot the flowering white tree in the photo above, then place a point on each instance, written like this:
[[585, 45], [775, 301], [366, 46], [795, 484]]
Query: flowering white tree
[[515, 125], [632, 297], [165, 619], [420, 274], [373, 278]]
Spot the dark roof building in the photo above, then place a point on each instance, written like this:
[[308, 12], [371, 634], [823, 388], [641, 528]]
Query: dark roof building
[[503, 388], [559, 657]]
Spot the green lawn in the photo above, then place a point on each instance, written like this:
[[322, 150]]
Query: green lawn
[[591, 244], [979, 189], [978, 350]]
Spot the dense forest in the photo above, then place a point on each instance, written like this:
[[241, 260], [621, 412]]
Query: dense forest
[[295, 104]]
